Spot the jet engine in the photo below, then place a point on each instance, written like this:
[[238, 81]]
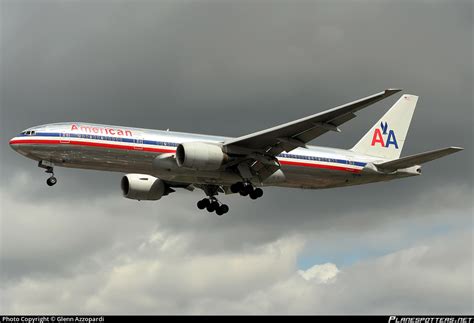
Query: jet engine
[[142, 187], [200, 156]]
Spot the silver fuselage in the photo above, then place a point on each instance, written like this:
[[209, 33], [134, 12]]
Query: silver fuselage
[[135, 150]]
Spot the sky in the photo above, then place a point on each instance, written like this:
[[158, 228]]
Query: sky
[[231, 68]]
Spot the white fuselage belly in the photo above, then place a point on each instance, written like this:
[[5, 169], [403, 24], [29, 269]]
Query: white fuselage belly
[[134, 152]]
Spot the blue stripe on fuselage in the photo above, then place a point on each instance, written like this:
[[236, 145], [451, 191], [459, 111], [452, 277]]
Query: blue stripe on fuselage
[[173, 144]]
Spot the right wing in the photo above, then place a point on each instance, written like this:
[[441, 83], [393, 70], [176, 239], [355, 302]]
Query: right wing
[[256, 153], [291, 135], [417, 159]]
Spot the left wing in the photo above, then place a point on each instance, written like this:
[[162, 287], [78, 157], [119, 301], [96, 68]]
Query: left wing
[[291, 135]]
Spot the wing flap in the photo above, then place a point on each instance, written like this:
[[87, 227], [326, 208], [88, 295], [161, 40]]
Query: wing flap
[[320, 129]]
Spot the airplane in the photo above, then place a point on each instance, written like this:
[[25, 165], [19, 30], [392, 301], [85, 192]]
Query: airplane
[[156, 162]]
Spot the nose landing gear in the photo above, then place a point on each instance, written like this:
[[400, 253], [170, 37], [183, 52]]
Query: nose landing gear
[[49, 170]]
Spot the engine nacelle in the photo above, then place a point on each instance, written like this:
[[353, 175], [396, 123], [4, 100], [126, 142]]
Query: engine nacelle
[[200, 156], [142, 187]]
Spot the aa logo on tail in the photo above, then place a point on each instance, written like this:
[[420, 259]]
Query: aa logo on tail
[[384, 136]]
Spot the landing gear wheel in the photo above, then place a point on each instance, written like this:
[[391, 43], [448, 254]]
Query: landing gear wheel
[[224, 208], [202, 204], [248, 189], [51, 181], [212, 206], [258, 192], [237, 187], [234, 188], [209, 208], [215, 205]]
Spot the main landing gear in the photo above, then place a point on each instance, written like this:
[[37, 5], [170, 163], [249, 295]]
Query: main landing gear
[[49, 170], [245, 189], [211, 204]]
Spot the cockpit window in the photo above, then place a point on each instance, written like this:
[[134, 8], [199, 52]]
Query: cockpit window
[[28, 133]]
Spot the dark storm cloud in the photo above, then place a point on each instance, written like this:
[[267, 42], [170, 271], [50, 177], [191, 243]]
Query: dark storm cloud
[[168, 64], [228, 68]]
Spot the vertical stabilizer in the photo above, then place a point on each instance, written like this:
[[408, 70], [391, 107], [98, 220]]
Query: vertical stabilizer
[[386, 138]]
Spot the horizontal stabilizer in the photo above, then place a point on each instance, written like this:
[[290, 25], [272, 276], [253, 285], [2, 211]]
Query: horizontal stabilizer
[[417, 159]]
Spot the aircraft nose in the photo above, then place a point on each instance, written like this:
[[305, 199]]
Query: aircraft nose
[[13, 144]]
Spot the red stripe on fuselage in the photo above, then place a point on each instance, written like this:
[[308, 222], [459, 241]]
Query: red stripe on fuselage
[[90, 144], [161, 150], [324, 166]]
